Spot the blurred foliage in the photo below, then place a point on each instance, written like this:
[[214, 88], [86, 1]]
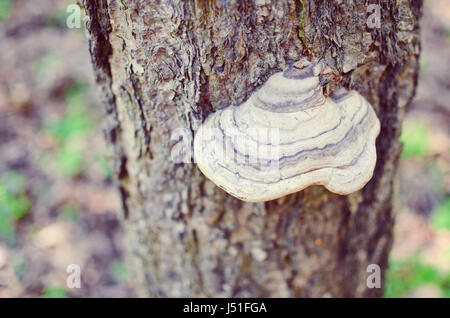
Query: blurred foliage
[[70, 131], [20, 266], [424, 63], [57, 18], [415, 138], [441, 216], [70, 159], [70, 212], [75, 121], [61, 149], [403, 277], [447, 34], [105, 166], [46, 66], [14, 204], [54, 292], [65, 15], [5, 9], [118, 271]]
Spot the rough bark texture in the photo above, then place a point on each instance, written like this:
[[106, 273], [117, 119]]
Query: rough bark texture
[[164, 65]]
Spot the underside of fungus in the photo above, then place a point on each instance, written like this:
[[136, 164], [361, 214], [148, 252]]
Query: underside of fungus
[[288, 136]]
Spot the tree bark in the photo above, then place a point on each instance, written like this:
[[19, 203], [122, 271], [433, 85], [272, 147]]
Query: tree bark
[[164, 65]]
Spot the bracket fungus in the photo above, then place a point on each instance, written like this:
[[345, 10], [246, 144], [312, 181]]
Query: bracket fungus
[[288, 136]]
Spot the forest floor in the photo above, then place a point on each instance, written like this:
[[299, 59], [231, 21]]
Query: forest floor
[[58, 202]]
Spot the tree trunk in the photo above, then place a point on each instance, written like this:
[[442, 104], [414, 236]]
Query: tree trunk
[[164, 65]]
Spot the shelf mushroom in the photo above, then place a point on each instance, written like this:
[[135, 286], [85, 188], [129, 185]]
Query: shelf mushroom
[[288, 136]]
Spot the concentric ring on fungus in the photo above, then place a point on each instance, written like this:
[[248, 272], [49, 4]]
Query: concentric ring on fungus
[[288, 136]]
